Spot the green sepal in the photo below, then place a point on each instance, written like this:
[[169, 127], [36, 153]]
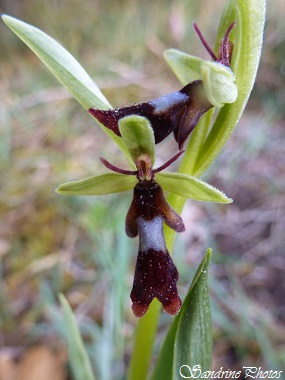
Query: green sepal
[[138, 136], [189, 338], [218, 80], [190, 187], [98, 185]]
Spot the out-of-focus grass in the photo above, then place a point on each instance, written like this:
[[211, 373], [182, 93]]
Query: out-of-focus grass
[[77, 245]]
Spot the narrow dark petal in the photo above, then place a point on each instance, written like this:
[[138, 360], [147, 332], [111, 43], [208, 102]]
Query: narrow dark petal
[[169, 162], [116, 169], [226, 48], [204, 42], [155, 276]]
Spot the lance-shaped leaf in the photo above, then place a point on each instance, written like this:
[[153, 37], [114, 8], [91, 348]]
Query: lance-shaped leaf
[[60, 62], [65, 67], [138, 136], [188, 342], [98, 185], [190, 187], [218, 80]]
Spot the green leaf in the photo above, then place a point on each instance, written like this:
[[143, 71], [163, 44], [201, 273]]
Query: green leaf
[[193, 341], [190, 187], [78, 358], [189, 339], [98, 185], [138, 136], [60, 62], [218, 80]]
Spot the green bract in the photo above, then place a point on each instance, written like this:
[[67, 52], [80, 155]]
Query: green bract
[[218, 80]]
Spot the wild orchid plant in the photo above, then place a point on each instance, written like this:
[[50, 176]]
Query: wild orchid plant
[[224, 83]]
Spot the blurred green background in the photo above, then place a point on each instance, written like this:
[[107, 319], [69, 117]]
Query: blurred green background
[[77, 245]]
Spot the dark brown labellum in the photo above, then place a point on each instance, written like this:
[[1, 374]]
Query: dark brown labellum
[[155, 274], [149, 202]]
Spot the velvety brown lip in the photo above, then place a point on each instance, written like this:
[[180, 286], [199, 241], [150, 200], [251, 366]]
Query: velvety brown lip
[[155, 276]]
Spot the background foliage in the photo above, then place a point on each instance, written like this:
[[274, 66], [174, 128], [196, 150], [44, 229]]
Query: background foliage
[[77, 245]]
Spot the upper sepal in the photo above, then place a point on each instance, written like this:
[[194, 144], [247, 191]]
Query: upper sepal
[[138, 136], [191, 187], [98, 185]]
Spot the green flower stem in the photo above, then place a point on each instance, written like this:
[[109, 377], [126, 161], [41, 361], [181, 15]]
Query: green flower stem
[[203, 148], [144, 341]]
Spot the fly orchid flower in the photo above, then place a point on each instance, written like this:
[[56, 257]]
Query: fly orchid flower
[[217, 75], [155, 273], [178, 111]]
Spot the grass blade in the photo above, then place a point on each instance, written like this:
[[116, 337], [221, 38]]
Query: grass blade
[[78, 358]]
